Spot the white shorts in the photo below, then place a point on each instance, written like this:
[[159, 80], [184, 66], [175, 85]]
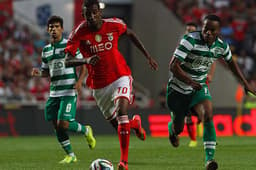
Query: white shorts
[[106, 97]]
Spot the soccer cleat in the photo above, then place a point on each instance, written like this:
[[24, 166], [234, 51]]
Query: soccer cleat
[[122, 166], [174, 140], [89, 137], [68, 159], [192, 143], [211, 165], [140, 132]]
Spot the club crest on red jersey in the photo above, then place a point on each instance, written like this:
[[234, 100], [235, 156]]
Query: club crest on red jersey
[[98, 38], [110, 36]]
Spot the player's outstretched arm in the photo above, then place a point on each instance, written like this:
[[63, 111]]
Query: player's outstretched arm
[[141, 47], [79, 83], [239, 75], [181, 75], [71, 61], [36, 72]]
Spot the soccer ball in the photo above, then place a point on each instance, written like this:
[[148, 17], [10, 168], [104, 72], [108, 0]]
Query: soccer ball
[[101, 164]]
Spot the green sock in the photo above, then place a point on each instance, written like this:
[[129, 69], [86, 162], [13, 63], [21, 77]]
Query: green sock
[[63, 139], [170, 127], [170, 124], [209, 138], [76, 127]]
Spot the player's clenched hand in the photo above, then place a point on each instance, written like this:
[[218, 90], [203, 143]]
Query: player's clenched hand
[[195, 85], [153, 64], [93, 60], [36, 72]]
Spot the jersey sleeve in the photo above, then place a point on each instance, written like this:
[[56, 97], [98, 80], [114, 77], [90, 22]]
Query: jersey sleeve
[[227, 53], [121, 26], [184, 48], [44, 64], [78, 54], [73, 41]]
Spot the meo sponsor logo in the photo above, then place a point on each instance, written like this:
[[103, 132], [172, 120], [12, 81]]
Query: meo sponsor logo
[[101, 47]]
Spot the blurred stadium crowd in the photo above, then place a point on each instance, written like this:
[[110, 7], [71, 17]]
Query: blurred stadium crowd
[[20, 48]]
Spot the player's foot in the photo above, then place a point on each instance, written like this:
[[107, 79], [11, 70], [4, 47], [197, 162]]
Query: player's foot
[[174, 140], [89, 137], [68, 159], [211, 165], [122, 166], [192, 143], [140, 132]]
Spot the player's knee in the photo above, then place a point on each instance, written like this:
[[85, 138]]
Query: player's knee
[[208, 117], [120, 111], [63, 125]]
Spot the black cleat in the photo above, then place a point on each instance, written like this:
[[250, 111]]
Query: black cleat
[[174, 140], [211, 165]]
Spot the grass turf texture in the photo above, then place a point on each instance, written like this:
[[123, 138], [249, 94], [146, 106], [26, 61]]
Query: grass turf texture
[[43, 153]]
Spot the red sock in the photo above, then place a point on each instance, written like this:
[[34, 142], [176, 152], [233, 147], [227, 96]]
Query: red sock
[[124, 137], [191, 131], [133, 124]]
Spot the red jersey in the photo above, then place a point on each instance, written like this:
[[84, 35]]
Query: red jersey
[[103, 43]]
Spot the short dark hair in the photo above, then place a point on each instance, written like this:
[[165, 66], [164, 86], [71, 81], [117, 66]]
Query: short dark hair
[[191, 24], [55, 19], [213, 17], [88, 3]]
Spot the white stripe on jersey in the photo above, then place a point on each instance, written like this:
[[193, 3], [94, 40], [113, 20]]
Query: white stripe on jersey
[[58, 50], [201, 47], [63, 82], [59, 93], [62, 72], [71, 35], [229, 56], [186, 44], [180, 53], [48, 53], [226, 50], [115, 20]]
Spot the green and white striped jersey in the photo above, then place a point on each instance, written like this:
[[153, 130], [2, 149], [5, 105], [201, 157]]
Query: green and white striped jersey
[[62, 79], [196, 59]]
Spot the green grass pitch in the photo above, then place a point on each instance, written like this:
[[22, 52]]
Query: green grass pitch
[[43, 153]]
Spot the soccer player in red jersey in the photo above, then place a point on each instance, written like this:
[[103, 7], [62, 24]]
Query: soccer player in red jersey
[[108, 74]]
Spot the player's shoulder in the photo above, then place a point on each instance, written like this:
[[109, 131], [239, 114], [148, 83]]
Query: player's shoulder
[[222, 43], [64, 41], [81, 26], [114, 21], [47, 47], [194, 35]]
